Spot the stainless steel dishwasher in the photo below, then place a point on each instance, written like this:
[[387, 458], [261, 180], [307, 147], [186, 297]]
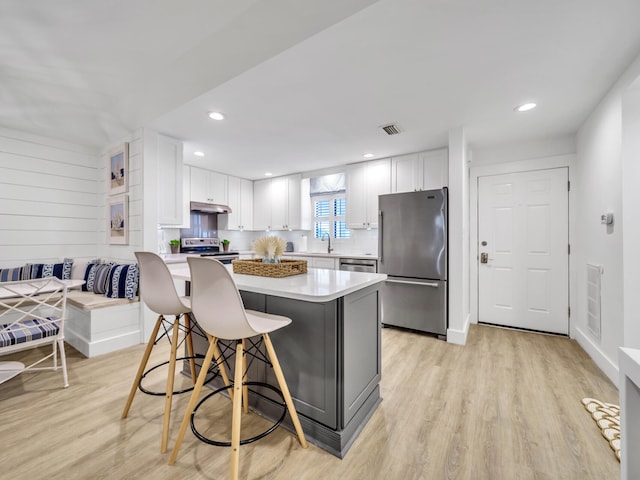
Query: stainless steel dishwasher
[[359, 265]]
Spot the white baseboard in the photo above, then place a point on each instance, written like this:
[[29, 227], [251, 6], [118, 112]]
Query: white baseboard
[[459, 337], [603, 362]]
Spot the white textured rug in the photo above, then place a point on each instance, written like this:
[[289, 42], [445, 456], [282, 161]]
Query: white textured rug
[[607, 417]]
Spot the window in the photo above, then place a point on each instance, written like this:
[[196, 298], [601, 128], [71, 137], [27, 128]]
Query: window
[[329, 213]]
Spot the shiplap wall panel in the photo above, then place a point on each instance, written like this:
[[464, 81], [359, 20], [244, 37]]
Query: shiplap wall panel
[[54, 197], [41, 208], [36, 223], [17, 255], [49, 196], [52, 183], [22, 163], [49, 237], [16, 143], [26, 193]]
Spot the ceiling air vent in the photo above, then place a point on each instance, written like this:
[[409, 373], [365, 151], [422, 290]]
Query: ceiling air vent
[[391, 129]]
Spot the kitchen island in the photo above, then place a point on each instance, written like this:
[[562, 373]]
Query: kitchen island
[[330, 353]]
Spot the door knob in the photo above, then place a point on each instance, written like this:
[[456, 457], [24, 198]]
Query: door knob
[[484, 257]]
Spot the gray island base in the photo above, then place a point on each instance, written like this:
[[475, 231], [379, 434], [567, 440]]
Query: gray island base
[[330, 353]]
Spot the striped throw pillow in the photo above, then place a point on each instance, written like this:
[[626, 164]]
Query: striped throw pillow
[[98, 277], [123, 281]]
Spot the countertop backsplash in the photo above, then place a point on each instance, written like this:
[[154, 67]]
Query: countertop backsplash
[[362, 242]]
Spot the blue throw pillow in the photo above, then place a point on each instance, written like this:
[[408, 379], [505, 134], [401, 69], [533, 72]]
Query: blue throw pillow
[[123, 281], [43, 270], [87, 270], [14, 274]]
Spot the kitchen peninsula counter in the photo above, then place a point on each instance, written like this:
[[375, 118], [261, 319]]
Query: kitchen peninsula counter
[[330, 353], [318, 285]]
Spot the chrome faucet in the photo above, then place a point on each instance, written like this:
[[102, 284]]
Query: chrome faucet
[[329, 249]]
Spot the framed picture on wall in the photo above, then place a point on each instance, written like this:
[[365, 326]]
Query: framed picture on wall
[[118, 220], [118, 167]]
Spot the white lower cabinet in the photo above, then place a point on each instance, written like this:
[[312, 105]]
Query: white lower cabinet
[[315, 262], [322, 262]]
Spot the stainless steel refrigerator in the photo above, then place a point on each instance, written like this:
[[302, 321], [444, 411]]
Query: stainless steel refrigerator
[[412, 248]]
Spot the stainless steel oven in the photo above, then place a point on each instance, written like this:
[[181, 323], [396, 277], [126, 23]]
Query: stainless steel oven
[[207, 247]]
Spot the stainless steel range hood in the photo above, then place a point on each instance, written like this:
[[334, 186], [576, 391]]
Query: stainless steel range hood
[[210, 207]]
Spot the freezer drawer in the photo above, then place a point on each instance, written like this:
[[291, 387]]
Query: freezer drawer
[[415, 303]]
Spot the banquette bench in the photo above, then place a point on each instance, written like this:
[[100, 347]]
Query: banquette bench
[[106, 314]]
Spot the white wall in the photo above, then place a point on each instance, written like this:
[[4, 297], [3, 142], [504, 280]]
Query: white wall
[[599, 189], [458, 274], [630, 218], [49, 199]]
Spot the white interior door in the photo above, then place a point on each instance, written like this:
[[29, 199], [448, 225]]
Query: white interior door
[[523, 242]]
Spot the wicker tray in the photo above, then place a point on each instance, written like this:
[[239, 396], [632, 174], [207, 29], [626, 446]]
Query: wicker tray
[[254, 266]]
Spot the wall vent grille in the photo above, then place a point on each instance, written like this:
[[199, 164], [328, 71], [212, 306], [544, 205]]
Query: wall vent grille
[[594, 274]]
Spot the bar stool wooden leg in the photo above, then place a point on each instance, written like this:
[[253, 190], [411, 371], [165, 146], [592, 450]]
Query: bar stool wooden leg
[[245, 388], [194, 399], [192, 360], [236, 420], [170, 379], [285, 390], [221, 367], [143, 365]]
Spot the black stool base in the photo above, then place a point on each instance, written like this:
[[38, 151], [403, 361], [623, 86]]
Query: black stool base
[[175, 392], [217, 443]]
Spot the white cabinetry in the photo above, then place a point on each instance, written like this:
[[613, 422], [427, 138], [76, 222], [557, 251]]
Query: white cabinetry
[[316, 262], [365, 181], [286, 202], [420, 171], [170, 174], [240, 195], [208, 186], [279, 203], [262, 204], [323, 262]]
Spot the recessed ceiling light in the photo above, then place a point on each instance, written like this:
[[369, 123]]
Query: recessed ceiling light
[[368, 155], [216, 116], [525, 107], [268, 174], [199, 154]]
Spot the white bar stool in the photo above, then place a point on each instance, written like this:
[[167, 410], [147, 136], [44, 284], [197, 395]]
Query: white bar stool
[[218, 308], [158, 292]]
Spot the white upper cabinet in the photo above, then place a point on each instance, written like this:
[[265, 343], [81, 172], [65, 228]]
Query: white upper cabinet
[[279, 203], [420, 171], [365, 181], [208, 186], [262, 204], [170, 187], [240, 193]]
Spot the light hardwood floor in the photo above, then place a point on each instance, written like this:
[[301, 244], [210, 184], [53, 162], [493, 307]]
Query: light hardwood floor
[[505, 406]]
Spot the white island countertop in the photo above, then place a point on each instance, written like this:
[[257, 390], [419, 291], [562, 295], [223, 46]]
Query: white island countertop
[[318, 285]]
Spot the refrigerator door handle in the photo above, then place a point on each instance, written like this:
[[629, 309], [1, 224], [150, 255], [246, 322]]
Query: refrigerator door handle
[[408, 282], [380, 236]]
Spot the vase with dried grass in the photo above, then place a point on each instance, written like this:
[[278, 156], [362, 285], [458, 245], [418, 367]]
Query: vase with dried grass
[[269, 248]]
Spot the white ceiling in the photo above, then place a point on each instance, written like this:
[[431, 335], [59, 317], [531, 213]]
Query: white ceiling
[[306, 84]]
